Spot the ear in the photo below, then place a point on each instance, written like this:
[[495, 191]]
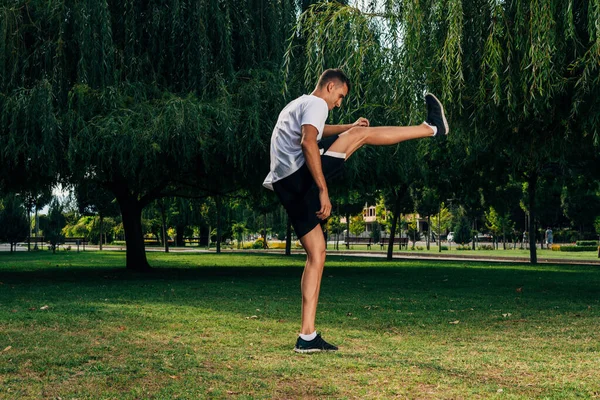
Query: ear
[[330, 86]]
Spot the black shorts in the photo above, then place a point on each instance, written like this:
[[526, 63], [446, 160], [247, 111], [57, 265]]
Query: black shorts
[[299, 194]]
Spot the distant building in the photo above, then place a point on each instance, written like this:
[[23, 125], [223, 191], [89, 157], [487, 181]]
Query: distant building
[[370, 217]]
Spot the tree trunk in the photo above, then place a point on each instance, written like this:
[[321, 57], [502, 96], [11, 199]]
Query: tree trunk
[[131, 212], [101, 229], [440, 231], [474, 235], [531, 189], [219, 204], [29, 235], [179, 230], [163, 218], [390, 250], [265, 244], [428, 241], [288, 238], [347, 227], [37, 230]]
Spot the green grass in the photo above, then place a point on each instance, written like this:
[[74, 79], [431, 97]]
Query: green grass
[[542, 254], [223, 326]]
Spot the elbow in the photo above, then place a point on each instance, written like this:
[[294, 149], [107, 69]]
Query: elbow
[[305, 144]]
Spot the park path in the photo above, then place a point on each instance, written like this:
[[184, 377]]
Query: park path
[[397, 255], [373, 254]]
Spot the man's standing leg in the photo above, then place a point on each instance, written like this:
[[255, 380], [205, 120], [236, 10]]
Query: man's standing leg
[[314, 245]]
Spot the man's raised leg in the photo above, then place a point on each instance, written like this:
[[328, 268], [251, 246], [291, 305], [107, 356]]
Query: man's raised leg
[[354, 138]]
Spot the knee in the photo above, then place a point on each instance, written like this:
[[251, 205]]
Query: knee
[[317, 256], [359, 134]]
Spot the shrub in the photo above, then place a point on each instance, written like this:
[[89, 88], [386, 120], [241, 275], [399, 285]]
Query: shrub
[[462, 231], [463, 247], [277, 245], [587, 243], [258, 244], [578, 248], [420, 247], [444, 247], [485, 247], [566, 236]]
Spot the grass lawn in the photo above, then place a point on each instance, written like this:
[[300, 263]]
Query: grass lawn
[[223, 326]]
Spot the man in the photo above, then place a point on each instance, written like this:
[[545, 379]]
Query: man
[[549, 238], [305, 153]]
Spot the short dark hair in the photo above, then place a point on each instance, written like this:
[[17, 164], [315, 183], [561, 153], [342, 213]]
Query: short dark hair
[[333, 74]]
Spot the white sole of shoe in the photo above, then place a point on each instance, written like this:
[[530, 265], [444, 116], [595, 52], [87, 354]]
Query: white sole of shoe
[[443, 114], [302, 351]]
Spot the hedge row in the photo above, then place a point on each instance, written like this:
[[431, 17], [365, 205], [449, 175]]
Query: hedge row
[[587, 243], [578, 248]]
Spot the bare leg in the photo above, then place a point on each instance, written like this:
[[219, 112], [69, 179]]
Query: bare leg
[[314, 245], [354, 138]]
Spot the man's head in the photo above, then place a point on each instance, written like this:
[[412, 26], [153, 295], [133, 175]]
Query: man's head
[[333, 86]]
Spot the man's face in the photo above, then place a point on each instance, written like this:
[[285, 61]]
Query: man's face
[[336, 91]]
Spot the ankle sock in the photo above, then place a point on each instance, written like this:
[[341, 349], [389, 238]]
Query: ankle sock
[[310, 337], [432, 127]]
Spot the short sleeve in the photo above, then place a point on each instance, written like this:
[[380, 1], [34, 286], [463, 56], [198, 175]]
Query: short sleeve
[[315, 113]]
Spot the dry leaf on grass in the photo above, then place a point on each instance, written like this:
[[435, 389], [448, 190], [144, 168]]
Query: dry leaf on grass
[[454, 322], [506, 315], [7, 348], [44, 308], [173, 377], [519, 290], [252, 317]]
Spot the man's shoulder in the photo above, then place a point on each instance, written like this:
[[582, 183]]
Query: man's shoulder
[[308, 99]]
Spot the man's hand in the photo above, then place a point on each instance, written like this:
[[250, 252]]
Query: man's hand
[[325, 210], [361, 122]]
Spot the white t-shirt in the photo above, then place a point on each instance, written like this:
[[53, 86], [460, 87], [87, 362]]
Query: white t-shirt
[[286, 150]]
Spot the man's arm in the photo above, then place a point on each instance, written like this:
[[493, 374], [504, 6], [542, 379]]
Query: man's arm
[[310, 148], [330, 130]]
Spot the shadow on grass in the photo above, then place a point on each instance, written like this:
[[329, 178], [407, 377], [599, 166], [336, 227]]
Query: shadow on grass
[[357, 279]]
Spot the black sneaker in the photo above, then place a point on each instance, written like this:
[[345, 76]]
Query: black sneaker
[[313, 346], [435, 115]]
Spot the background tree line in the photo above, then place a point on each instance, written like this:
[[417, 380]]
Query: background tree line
[[131, 103]]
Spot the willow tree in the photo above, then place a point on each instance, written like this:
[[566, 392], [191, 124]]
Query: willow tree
[[520, 79], [147, 98]]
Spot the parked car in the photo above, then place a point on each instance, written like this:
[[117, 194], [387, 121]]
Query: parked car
[[484, 237]]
